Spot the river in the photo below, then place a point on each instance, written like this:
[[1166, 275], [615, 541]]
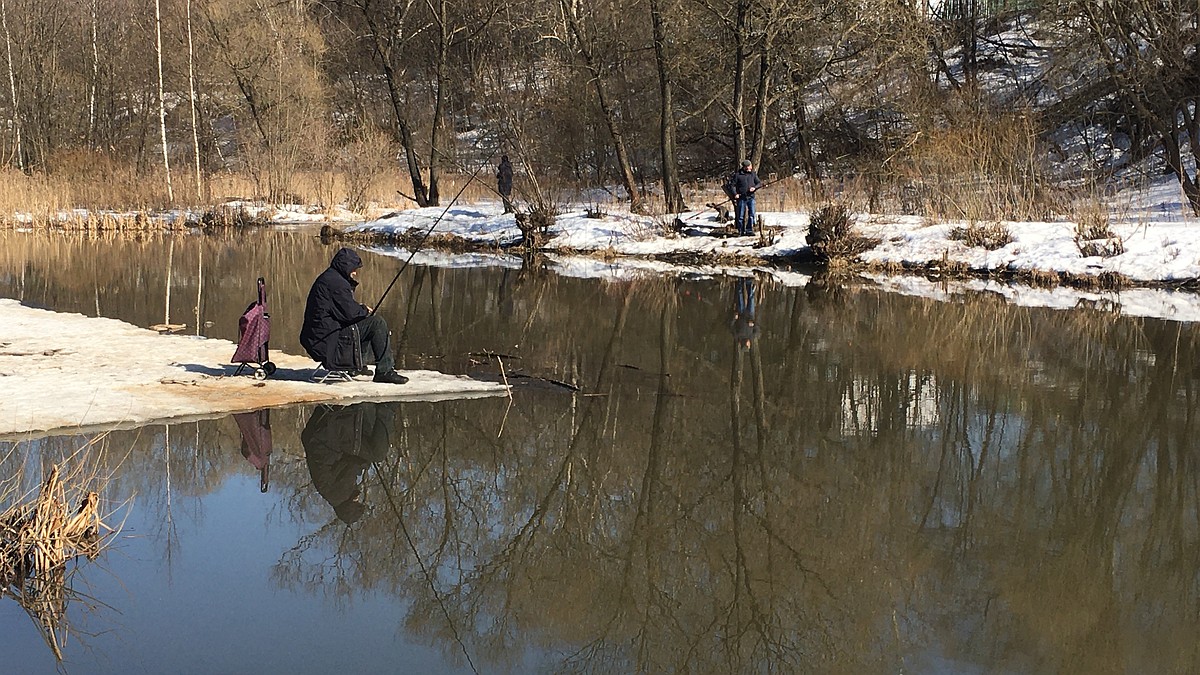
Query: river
[[695, 473]]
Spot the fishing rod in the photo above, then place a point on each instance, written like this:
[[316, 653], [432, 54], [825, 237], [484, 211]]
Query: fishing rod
[[425, 236], [730, 199]]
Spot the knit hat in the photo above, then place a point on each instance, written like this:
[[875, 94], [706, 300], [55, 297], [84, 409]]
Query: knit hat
[[745, 163]]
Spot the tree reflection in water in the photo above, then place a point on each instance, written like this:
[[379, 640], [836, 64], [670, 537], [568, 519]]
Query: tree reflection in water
[[877, 483], [920, 483]]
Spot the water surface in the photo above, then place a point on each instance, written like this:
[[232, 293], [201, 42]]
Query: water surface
[[854, 482]]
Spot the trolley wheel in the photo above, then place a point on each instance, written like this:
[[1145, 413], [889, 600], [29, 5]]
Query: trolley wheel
[[260, 374], [268, 368]]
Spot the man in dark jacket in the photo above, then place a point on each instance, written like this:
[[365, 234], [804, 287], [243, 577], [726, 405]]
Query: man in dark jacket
[[504, 180], [741, 187], [332, 310]]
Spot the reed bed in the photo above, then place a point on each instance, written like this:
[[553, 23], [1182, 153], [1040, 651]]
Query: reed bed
[[39, 537]]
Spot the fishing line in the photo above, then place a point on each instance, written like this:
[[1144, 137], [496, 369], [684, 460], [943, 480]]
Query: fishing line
[[425, 236], [424, 570]]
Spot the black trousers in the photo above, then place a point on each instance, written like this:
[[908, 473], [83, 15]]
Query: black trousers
[[376, 342]]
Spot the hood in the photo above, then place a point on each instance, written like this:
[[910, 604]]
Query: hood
[[345, 261]]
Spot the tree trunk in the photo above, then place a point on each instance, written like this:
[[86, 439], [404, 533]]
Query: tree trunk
[[12, 87], [91, 128], [760, 109], [195, 116], [1191, 122], [162, 104], [606, 109], [740, 49], [439, 102], [382, 48], [672, 194]]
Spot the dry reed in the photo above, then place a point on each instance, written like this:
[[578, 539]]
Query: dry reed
[[38, 538]]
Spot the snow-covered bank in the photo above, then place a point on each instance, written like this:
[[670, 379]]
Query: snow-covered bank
[[72, 372], [1159, 247]]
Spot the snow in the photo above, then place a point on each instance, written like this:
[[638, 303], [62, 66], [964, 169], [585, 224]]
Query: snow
[[1160, 236], [63, 372]]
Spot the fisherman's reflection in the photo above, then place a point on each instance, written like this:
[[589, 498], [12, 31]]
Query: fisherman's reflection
[[340, 442], [745, 324]]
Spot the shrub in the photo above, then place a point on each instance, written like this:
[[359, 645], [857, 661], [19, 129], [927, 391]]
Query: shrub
[[831, 236], [991, 236], [535, 223], [1094, 237]]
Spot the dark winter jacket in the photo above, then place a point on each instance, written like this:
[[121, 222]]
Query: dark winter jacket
[[331, 305], [742, 181], [504, 177]]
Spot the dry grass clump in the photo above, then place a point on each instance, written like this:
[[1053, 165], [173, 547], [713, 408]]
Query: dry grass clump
[[990, 236], [226, 215], [38, 538], [831, 235], [1094, 235]]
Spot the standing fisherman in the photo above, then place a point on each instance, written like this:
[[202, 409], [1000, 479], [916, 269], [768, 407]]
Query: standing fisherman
[[741, 187], [504, 180]]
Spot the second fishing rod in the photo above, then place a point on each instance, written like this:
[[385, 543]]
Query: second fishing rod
[[425, 235]]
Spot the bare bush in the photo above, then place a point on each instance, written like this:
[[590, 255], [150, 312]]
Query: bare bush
[[226, 215], [831, 235], [990, 236], [362, 163], [1094, 236], [535, 223]]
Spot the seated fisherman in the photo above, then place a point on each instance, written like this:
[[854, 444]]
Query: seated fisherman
[[332, 309]]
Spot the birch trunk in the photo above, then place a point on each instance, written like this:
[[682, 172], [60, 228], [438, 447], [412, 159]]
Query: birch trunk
[[91, 130], [162, 104], [192, 95], [12, 86]]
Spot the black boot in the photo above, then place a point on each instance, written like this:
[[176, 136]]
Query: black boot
[[390, 377]]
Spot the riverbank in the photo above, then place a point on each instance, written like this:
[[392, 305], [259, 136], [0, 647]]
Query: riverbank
[[1146, 243], [67, 372]]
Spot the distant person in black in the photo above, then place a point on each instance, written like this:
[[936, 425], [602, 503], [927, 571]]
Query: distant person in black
[[744, 325], [340, 443], [741, 187], [331, 310], [504, 180]]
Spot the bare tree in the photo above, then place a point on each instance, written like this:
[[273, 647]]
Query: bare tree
[[672, 193], [583, 41], [162, 104], [1148, 48]]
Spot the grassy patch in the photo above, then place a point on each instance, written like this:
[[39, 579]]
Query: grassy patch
[[990, 236], [1094, 236]]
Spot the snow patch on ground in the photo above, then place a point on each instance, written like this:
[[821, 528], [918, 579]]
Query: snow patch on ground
[[63, 371]]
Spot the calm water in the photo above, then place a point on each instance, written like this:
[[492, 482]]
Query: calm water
[[875, 484]]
